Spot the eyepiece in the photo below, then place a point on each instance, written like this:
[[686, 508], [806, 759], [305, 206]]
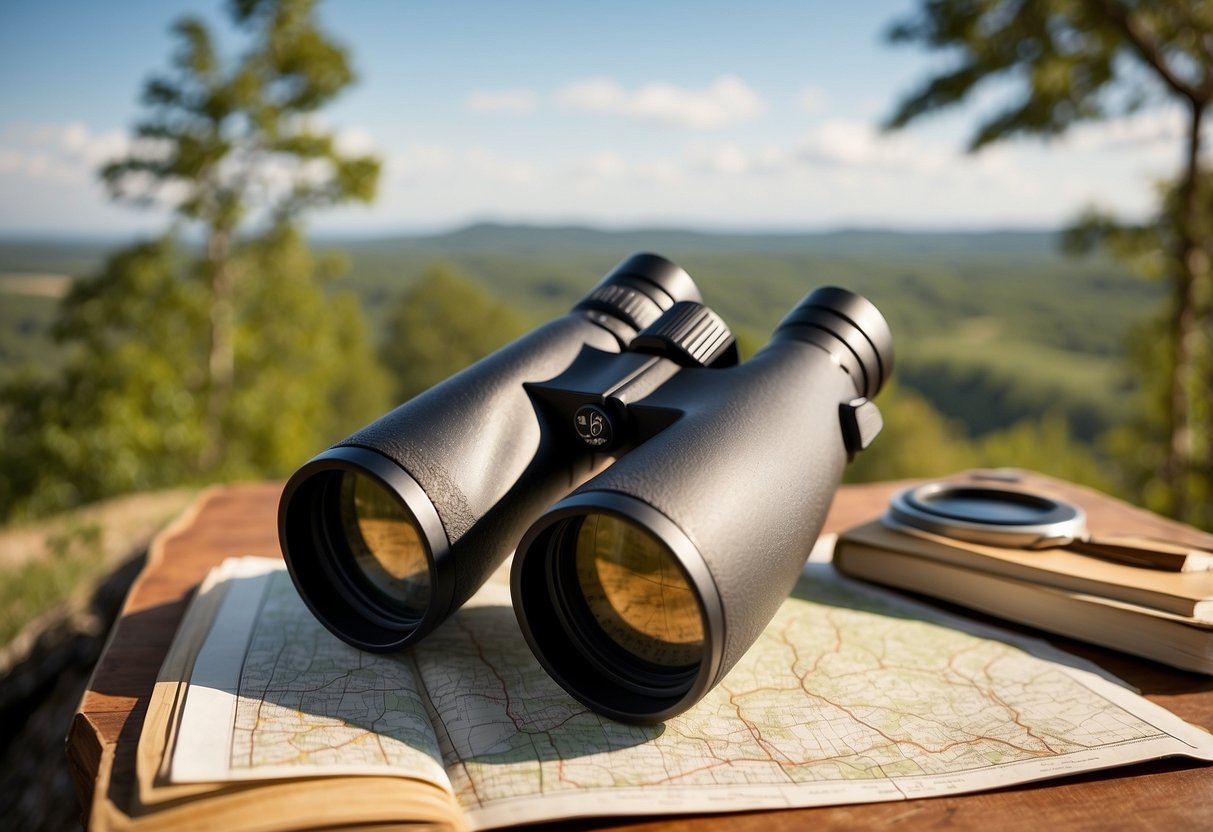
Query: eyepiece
[[662, 276], [635, 293], [850, 328], [365, 548]]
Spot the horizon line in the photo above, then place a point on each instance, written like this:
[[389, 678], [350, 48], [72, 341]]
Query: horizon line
[[605, 229]]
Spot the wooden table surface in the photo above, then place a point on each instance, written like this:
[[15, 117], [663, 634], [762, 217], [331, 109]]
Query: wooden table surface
[[1173, 794]]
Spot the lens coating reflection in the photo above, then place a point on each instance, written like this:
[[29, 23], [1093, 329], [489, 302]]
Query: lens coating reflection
[[637, 593], [387, 550]]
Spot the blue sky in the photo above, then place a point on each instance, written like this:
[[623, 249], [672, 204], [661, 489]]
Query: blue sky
[[761, 115]]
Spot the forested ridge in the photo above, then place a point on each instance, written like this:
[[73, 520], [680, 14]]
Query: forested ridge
[[994, 331]]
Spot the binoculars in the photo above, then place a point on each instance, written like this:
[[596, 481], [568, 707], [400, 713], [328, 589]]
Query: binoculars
[[660, 498]]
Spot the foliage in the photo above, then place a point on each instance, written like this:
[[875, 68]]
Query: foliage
[[992, 383], [992, 328], [1045, 444], [1068, 61], [306, 371], [180, 365], [121, 415], [223, 140], [917, 442], [993, 331], [126, 413], [441, 325], [25, 321], [38, 585], [1144, 442], [929, 285]]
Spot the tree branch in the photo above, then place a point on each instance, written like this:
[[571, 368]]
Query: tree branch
[[1204, 45], [1148, 50]]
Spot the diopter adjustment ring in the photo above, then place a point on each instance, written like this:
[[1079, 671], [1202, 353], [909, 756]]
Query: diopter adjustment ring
[[691, 335], [630, 305]]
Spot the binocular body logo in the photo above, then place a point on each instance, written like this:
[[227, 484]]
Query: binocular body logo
[[593, 426], [640, 588]]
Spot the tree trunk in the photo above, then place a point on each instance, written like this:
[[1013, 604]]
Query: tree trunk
[[221, 361], [1179, 445], [1191, 347]]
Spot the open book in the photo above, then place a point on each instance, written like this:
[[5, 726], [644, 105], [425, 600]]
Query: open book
[[263, 720]]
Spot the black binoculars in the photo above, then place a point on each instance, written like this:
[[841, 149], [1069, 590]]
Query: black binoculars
[[660, 497]]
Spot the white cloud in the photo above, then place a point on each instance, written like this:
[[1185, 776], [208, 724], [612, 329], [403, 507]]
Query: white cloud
[[355, 141], [606, 164], [1158, 134], [839, 144], [511, 102], [812, 99], [728, 100], [48, 178], [728, 159], [857, 144], [488, 165], [58, 152], [839, 171], [11, 161], [49, 175], [416, 161], [735, 160], [468, 166]]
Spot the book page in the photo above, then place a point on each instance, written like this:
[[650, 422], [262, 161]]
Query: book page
[[273, 694], [851, 695]]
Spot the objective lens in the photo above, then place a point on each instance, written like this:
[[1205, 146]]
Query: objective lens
[[387, 555], [637, 593]]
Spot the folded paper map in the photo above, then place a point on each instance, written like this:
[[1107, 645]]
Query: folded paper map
[[851, 695]]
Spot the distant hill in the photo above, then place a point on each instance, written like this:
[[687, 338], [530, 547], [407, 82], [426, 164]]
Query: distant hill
[[991, 326], [520, 239], [66, 255], [78, 255]]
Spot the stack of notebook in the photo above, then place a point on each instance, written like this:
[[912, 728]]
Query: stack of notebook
[[1160, 615]]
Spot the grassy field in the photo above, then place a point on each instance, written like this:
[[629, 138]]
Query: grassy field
[[46, 564]]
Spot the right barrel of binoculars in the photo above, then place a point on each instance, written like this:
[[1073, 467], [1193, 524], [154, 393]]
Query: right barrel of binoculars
[[643, 588]]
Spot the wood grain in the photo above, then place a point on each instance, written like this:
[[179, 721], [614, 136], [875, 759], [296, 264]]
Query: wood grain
[[241, 520]]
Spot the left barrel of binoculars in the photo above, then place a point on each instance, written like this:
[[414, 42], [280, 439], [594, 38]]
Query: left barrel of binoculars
[[394, 527]]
